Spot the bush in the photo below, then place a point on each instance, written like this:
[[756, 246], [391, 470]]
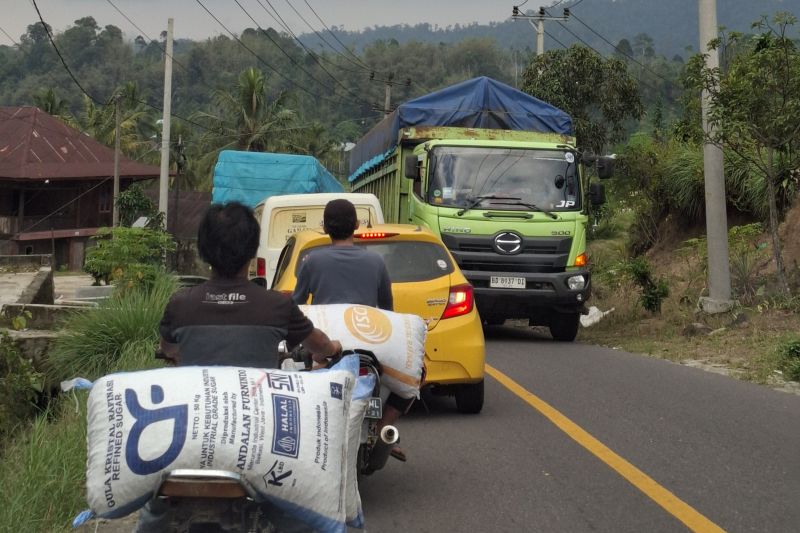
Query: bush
[[789, 359], [653, 291], [134, 203], [127, 256], [121, 334], [20, 385]]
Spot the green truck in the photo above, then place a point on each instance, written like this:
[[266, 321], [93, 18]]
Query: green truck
[[496, 174]]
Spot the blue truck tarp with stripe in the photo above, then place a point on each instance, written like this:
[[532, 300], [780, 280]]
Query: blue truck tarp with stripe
[[250, 177], [477, 103]]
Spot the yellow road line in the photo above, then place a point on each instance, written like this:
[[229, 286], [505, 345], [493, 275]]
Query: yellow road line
[[671, 503]]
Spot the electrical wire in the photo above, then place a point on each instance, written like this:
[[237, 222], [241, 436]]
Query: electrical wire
[[281, 22], [263, 31], [264, 62], [4, 32], [344, 47], [624, 54]]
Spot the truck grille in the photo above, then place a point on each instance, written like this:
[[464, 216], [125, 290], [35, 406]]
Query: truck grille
[[538, 254]]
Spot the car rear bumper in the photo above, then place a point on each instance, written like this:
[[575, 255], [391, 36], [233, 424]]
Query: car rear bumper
[[455, 351]]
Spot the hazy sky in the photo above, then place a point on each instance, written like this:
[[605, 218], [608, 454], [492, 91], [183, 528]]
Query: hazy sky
[[193, 22]]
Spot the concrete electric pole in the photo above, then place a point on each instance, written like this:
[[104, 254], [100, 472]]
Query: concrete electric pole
[[539, 26], [163, 184], [387, 97], [719, 274]]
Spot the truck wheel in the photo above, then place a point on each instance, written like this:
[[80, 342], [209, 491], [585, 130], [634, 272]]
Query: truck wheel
[[564, 326], [469, 398]]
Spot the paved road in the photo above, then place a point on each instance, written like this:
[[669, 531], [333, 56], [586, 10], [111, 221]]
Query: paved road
[[711, 452]]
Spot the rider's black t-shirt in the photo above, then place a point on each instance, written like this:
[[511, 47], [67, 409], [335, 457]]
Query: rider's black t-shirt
[[232, 322]]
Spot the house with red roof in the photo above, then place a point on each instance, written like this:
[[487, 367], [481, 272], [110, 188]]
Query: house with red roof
[[56, 186]]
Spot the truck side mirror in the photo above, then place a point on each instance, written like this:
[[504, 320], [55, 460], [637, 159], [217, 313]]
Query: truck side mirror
[[605, 167], [410, 168], [597, 194]]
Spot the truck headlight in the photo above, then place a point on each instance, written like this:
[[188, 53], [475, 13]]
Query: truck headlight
[[576, 283]]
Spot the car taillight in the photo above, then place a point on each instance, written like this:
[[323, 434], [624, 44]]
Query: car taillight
[[459, 302], [374, 235], [261, 267], [581, 260]]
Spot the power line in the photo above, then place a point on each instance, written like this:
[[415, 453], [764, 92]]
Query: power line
[[261, 60], [294, 61], [92, 98], [58, 52], [285, 25], [7, 35], [344, 47], [623, 53], [162, 47]]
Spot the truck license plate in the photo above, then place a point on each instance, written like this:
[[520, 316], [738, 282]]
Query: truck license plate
[[506, 282], [374, 408]]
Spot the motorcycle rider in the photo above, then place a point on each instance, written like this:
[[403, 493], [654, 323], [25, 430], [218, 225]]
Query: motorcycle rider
[[345, 273], [230, 321]]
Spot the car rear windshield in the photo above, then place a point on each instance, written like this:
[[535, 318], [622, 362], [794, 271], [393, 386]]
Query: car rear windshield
[[406, 261]]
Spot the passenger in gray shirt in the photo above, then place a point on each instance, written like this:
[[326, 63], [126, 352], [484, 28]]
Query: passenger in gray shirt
[[344, 273], [347, 274]]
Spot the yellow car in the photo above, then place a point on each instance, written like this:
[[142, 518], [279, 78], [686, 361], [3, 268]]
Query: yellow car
[[426, 281]]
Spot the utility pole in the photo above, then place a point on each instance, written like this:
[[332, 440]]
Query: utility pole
[[117, 120], [719, 274], [163, 185], [388, 82], [539, 18]]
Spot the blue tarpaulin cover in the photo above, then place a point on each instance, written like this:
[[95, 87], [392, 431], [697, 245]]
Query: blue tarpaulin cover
[[250, 177], [476, 103]]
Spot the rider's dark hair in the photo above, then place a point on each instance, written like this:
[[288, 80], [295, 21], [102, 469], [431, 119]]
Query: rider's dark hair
[[340, 219], [228, 237]]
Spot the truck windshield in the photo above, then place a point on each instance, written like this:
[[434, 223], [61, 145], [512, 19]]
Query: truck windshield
[[506, 178]]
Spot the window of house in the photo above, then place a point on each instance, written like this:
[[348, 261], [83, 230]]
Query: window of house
[[105, 199]]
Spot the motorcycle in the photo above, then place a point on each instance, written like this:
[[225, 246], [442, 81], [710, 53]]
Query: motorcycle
[[375, 445], [219, 501]]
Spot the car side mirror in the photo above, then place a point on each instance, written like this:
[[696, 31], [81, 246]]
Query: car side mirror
[[410, 167], [597, 194], [605, 167]]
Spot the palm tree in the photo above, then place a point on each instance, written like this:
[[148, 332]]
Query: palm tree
[[245, 119], [136, 125], [49, 102]]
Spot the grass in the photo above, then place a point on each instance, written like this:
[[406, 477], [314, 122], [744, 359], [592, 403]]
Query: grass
[[43, 470], [96, 340], [44, 464]]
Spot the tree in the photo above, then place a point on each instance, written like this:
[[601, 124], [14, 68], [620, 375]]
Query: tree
[[49, 102], [598, 92], [623, 50], [245, 118], [755, 112]]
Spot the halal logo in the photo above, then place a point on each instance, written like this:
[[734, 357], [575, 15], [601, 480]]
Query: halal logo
[[508, 243], [368, 324]]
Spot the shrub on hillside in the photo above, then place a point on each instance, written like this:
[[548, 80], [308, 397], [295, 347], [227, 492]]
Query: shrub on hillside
[[653, 290]]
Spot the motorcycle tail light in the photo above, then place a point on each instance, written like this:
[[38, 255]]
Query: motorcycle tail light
[[261, 267], [460, 301]]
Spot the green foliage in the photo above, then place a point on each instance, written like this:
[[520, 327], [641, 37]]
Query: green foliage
[[121, 334], [134, 203], [127, 256], [44, 469], [653, 290], [20, 384], [789, 359], [597, 92]]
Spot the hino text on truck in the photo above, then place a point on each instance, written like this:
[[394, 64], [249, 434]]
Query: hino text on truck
[[497, 175]]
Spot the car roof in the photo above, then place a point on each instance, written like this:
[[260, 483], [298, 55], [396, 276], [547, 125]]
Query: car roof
[[318, 199], [404, 232]]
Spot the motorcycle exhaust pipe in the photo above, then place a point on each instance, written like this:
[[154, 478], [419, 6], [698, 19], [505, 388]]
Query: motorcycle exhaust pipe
[[389, 436]]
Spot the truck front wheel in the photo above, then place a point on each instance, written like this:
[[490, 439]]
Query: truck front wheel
[[564, 326]]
